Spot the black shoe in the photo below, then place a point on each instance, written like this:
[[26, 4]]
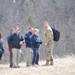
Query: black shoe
[[10, 66], [18, 67], [28, 65], [37, 64], [15, 67]]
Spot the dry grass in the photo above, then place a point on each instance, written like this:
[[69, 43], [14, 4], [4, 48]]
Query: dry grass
[[64, 66]]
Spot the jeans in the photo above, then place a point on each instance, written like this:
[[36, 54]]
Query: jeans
[[35, 58]]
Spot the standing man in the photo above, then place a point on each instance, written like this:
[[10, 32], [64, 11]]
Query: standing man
[[9, 47], [16, 41], [28, 46], [48, 44]]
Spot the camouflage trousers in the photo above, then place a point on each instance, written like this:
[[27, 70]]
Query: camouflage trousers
[[48, 51]]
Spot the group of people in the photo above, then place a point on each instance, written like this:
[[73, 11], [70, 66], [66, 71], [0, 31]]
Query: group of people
[[32, 41]]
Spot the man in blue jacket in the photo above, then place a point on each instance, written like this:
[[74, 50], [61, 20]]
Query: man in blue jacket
[[28, 46], [16, 41], [36, 41]]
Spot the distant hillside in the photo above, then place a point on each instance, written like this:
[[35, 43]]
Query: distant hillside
[[26, 13]]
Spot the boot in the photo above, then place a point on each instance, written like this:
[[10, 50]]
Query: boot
[[47, 63], [51, 60], [51, 63]]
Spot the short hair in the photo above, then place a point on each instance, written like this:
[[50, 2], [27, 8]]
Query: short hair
[[17, 28], [30, 28], [0, 35], [36, 30], [12, 29], [46, 22]]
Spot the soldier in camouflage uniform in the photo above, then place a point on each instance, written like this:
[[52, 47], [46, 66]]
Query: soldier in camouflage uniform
[[48, 44]]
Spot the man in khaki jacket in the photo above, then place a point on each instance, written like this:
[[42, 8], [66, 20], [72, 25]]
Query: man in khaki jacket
[[48, 44]]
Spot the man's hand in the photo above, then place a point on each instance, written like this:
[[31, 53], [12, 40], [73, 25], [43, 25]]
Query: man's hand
[[45, 44], [21, 43]]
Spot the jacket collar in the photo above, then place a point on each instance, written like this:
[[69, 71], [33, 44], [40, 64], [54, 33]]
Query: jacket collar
[[49, 28]]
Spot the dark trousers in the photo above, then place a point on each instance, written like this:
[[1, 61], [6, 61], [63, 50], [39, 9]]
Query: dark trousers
[[35, 58], [11, 56], [0, 56]]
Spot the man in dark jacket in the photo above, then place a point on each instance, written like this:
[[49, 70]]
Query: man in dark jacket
[[9, 47], [28, 46], [16, 41], [36, 41]]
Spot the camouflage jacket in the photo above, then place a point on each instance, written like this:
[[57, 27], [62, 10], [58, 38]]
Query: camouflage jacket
[[48, 36]]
